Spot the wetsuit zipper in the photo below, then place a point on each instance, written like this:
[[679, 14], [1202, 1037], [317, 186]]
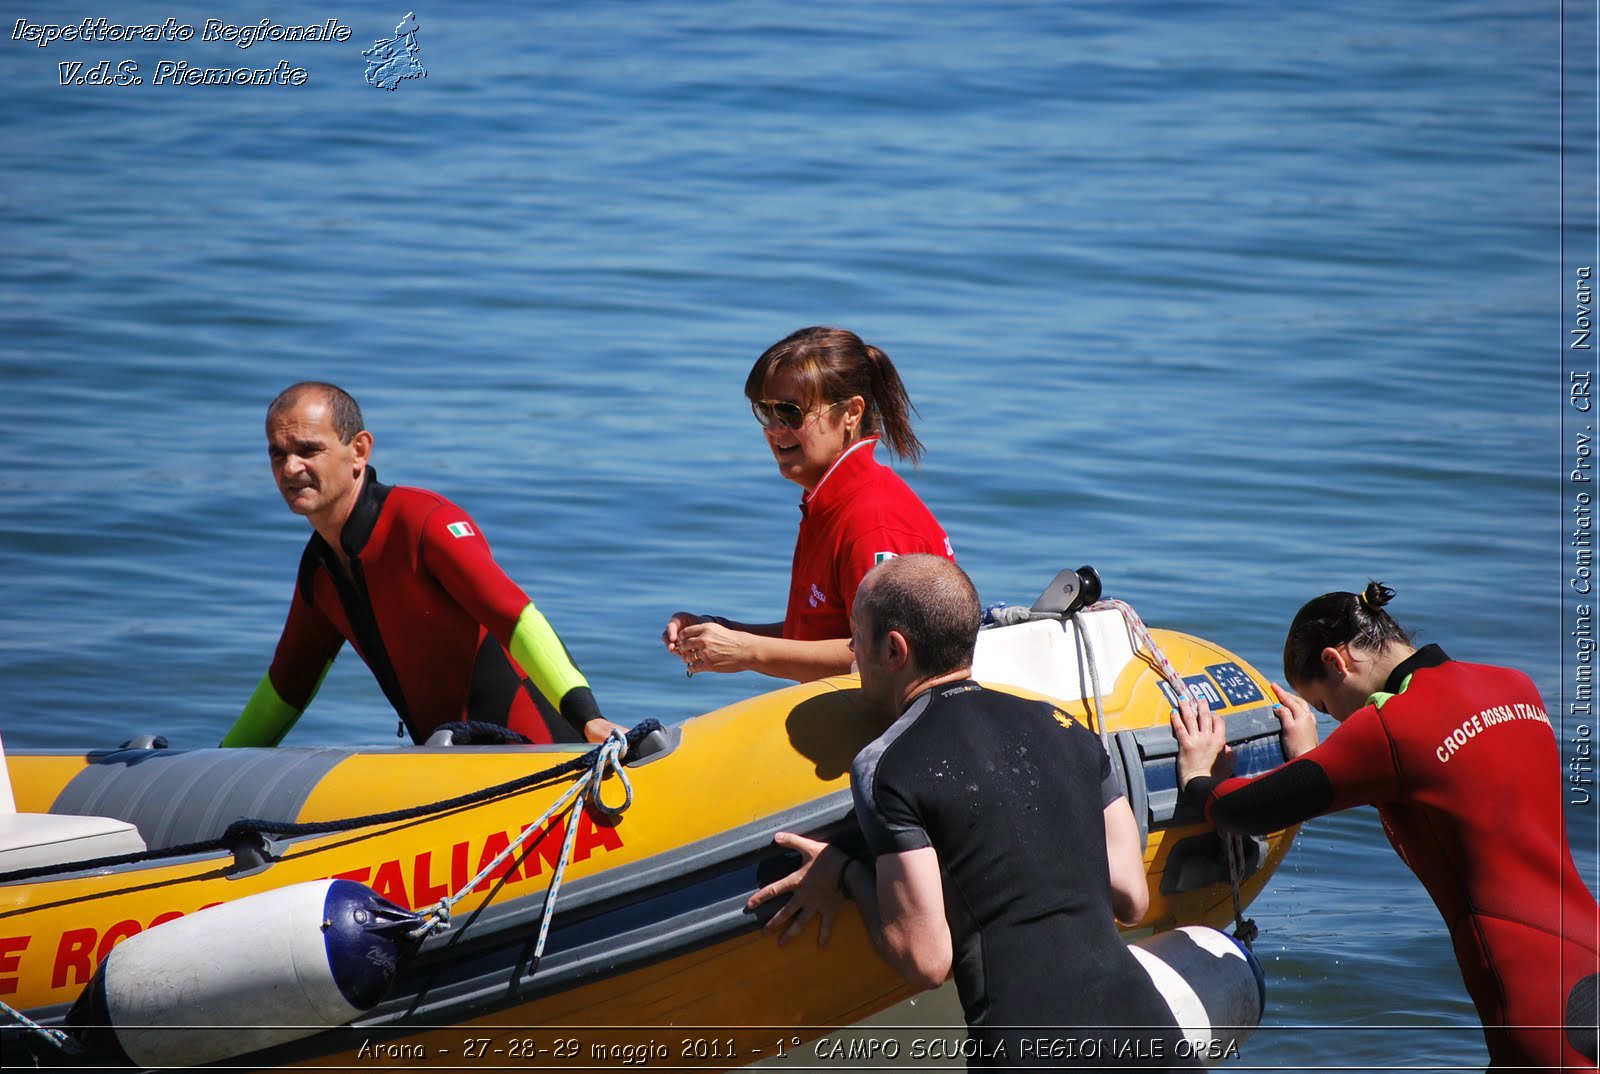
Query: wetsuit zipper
[[352, 589]]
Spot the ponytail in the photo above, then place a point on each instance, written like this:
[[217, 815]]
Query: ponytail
[[1335, 619], [1375, 596], [890, 406]]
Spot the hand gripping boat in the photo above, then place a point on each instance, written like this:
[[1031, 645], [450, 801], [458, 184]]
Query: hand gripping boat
[[133, 901]]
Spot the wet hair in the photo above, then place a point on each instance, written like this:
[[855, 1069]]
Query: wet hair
[[1335, 619], [933, 605], [342, 408], [834, 364]]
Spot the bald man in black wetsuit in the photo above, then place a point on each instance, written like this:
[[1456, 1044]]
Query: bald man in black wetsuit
[[1003, 845]]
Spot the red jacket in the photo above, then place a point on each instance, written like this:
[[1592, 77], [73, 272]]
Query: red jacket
[[859, 514]]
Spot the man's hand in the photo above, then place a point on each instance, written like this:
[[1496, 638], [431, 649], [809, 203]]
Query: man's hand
[[600, 728], [1203, 748], [1299, 723], [813, 890]]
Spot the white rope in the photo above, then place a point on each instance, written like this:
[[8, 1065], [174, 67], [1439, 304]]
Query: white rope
[[609, 755], [1143, 639], [1244, 929], [54, 1036], [1086, 656]]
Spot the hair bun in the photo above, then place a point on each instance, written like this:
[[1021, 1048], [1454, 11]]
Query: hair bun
[[1376, 595]]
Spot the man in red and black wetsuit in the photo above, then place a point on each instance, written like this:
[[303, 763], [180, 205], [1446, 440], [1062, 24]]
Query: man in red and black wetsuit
[[1462, 764], [407, 578]]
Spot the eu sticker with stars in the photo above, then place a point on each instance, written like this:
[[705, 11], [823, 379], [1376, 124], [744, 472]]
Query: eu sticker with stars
[[1239, 686]]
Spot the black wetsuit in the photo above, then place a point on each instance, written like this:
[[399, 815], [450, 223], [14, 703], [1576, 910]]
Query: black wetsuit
[[1011, 795]]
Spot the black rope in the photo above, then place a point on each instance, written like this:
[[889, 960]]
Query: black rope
[[236, 832]]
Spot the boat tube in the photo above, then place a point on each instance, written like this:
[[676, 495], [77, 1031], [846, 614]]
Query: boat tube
[[649, 929]]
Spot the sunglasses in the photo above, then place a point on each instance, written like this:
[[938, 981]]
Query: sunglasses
[[789, 415]]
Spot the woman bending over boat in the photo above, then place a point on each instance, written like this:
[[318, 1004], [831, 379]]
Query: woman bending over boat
[[825, 400], [1462, 763]]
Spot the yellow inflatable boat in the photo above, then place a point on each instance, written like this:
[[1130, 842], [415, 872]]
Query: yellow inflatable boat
[[117, 848]]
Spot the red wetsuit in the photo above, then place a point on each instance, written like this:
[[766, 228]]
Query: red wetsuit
[[859, 514], [1462, 763], [428, 610]]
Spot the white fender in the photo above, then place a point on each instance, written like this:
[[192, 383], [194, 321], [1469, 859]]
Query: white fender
[[249, 974], [1212, 983]]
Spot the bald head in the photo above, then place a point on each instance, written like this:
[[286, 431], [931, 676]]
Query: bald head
[[343, 411], [932, 604]]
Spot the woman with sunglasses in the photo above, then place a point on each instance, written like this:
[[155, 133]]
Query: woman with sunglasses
[[825, 400], [1463, 765]]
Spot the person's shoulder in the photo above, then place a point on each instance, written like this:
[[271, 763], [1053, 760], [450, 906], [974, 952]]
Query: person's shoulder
[[882, 480], [423, 517], [426, 505], [995, 707], [1382, 723], [1485, 682], [884, 500], [1070, 724], [1486, 671], [867, 766], [1491, 685], [896, 745], [998, 698], [1041, 715], [413, 496]]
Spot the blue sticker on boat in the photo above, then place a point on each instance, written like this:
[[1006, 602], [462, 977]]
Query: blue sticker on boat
[[1240, 687], [1201, 687]]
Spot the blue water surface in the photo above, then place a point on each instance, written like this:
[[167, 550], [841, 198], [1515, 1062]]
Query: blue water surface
[[1239, 302]]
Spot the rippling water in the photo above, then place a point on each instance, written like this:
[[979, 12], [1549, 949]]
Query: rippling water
[[1238, 302]]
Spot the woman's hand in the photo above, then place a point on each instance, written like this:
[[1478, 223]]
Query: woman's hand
[[675, 625], [1203, 748], [813, 890], [706, 645], [1299, 723]]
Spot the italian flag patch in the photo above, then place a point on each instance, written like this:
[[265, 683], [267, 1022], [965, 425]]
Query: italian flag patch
[[880, 557], [460, 529]]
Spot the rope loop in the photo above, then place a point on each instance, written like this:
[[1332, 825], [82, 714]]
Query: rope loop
[[586, 788], [436, 920], [612, 751]]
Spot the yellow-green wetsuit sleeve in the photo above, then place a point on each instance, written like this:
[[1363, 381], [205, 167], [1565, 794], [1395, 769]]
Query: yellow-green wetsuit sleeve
[[545, 660], [267, 717]]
